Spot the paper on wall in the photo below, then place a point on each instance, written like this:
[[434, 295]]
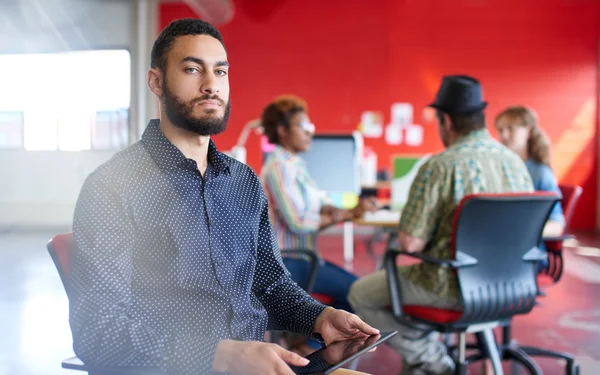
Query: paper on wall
[[393, 134], [371, 124], [402, 113], [414, 135]]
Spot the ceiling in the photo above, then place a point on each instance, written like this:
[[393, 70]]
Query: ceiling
[[31, 26]]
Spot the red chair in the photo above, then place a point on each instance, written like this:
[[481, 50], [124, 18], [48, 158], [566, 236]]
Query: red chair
[[495, 258], [60, 248], [552, 274]]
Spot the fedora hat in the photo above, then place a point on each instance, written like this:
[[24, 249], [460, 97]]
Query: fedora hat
[[460, 95]]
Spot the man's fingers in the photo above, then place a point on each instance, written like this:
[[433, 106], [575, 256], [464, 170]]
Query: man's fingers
[[291, 357], [363, 327]]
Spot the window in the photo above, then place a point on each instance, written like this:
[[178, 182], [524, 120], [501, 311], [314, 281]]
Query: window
[[65, 101], [11, 130]]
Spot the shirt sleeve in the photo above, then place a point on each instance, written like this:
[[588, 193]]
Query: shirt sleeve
[[298, 203], [101, 274], [421, 214], [547, 182], [289, 307]]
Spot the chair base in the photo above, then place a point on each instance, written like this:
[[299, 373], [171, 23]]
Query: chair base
[[486, 348], [571, 367], [509, 350]]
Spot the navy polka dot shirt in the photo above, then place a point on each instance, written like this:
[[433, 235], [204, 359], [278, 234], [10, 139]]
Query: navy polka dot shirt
[[167, 263]]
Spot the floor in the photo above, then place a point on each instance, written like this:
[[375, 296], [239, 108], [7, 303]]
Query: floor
[[35, 334]]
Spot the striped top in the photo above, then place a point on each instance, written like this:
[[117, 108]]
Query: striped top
[[294, 199]]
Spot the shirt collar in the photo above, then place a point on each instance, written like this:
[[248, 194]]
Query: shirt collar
[[284, 154], [168, 157], [475, 135]]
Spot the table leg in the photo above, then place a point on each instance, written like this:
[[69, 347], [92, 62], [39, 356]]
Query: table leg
[[348, 241]]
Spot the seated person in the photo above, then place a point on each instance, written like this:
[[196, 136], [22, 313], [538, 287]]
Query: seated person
[[174, 263], [519, 130], [472, 163], [298, 209]]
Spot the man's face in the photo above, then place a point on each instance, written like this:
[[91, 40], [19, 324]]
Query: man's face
[[195, 85]]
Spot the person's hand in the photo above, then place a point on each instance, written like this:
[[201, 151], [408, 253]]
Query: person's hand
[[337, 215], [338, 325], [255, 358], [328, 210], [368, 204]]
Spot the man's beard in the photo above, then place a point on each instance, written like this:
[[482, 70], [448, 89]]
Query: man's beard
[[181, 113]]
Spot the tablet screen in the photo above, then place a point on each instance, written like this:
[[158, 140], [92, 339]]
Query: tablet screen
[[335, 355]]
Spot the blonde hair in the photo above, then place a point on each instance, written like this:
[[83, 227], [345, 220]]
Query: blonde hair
[[538, 144]]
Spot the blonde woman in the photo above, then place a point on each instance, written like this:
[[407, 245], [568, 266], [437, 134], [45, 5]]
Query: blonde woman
[[519, 130]]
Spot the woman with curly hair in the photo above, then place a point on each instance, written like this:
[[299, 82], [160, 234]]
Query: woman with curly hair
[[518, 129], [298, 208]]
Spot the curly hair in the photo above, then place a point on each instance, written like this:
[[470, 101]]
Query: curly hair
[[177, 28], [279, 113], [538, 144]]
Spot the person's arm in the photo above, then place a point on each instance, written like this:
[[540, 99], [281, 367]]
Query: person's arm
[[289, 307], [299, 207], [104, 331], [421, 214], [556, 221]]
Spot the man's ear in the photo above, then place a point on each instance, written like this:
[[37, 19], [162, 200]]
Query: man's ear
[[281, 131], [155, 81], [448, 126]]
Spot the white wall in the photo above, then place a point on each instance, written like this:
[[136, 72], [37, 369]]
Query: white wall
[[40, 188]]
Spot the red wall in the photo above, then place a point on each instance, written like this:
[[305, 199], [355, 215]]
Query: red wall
[[345, 57]]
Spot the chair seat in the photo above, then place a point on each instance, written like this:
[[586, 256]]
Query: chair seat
[[323, 298], [432, 314]]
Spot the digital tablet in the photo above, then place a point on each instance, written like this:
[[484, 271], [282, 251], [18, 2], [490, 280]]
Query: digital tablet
[[333, 356]]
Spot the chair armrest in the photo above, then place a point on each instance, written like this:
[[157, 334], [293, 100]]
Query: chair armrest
[[462, 259], [313, 259], [535, 255], [393, 279]]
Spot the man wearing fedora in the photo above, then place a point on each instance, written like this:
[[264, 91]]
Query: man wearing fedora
[[472, 163]]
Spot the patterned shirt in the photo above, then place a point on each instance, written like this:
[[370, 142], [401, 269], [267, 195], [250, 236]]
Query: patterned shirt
[[294, 199], [167, 263], [476, 163]]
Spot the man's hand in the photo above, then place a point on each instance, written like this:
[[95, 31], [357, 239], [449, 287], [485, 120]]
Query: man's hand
[[410, 243], [255, 358], [338, 325]]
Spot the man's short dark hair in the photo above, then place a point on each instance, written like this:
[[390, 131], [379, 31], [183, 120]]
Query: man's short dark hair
[[464, 124], [177, 28]]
